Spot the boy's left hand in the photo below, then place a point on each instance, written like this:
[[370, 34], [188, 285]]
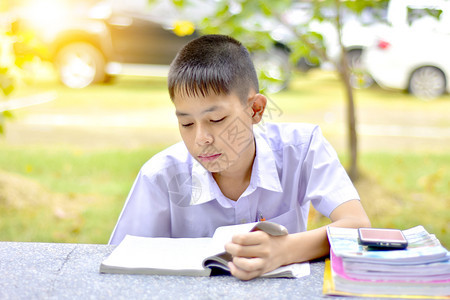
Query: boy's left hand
[[255, 253]]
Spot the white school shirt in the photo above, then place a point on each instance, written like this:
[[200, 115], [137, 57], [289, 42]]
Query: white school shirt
[[174, 196]]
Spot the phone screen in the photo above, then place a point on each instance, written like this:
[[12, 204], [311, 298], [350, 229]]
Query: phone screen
[[382, 238], [382, 234]]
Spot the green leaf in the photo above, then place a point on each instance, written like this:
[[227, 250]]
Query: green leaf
[[6, 84], [178, 3], [7, 114]]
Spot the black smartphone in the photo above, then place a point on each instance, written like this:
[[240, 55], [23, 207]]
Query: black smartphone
[[382, 238]]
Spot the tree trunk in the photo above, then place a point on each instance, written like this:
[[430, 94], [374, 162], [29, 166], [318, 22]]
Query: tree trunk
[[344, 72], [351, 122]]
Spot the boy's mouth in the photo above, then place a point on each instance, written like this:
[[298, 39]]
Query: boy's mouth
[[208, 157]]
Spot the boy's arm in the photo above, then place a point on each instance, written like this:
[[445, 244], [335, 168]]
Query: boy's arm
[[256, 253]]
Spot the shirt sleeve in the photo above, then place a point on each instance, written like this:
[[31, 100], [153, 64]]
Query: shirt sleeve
[[146, 211], [327, 183]]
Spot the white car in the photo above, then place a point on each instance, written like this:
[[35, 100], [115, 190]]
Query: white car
[[414, 57]]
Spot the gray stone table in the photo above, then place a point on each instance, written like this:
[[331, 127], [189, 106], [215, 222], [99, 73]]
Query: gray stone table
[[70, 271]]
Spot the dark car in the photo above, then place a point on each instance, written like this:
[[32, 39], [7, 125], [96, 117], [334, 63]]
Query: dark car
[[94, 41]]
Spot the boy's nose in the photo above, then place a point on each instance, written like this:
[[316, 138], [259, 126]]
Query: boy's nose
[[203, 137]]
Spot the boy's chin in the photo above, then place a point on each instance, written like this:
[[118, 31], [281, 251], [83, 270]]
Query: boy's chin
[[213, 167]]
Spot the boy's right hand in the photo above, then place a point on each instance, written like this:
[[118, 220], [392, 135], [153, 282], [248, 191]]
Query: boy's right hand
[[255, 253]]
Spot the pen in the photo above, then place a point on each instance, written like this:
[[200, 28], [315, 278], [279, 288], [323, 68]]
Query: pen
[[260, 217]]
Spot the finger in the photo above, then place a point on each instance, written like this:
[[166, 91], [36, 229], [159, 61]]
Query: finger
[[241, 274], [249, 264], [246, 251], [250, 238]]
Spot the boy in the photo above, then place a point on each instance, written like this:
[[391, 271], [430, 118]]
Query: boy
[[225, 173]]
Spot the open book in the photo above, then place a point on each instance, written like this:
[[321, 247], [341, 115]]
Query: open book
[[189, 256]]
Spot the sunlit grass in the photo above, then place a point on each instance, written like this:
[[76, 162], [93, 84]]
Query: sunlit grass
[[319, 89], [124, 93], [316, 90]]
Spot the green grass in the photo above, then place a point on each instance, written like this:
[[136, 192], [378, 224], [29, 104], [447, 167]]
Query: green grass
[[415, 189], [90, 186], [403, 190], [82, 171], [419, 189], [61, 193]]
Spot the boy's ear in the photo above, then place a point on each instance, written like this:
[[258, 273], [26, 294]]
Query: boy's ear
[[258, 105]]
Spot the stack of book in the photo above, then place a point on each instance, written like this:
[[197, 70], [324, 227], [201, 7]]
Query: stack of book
[[422, 270]]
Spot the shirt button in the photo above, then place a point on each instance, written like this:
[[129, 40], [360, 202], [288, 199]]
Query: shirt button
[[243, 221]]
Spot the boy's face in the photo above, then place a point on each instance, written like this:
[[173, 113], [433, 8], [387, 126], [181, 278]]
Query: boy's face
[[217, 131]]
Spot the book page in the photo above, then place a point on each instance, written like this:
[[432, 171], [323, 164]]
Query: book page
[[160, 253], [290, 271], [224, 234]]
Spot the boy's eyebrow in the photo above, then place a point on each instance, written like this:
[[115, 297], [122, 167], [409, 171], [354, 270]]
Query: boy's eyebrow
[[209, 109]]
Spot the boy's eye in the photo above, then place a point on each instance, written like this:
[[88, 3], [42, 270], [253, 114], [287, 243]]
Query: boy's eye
[[217, 121], [187, 124]]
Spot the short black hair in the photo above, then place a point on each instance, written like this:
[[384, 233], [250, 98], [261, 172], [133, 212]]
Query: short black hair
[[212, 64]]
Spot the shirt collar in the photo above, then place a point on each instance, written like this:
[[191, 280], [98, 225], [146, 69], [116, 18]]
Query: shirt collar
[[264, 175]]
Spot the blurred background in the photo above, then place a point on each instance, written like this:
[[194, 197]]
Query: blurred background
[[84, 102]]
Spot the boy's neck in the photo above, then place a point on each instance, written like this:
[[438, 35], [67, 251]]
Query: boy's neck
[[233, 183]]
